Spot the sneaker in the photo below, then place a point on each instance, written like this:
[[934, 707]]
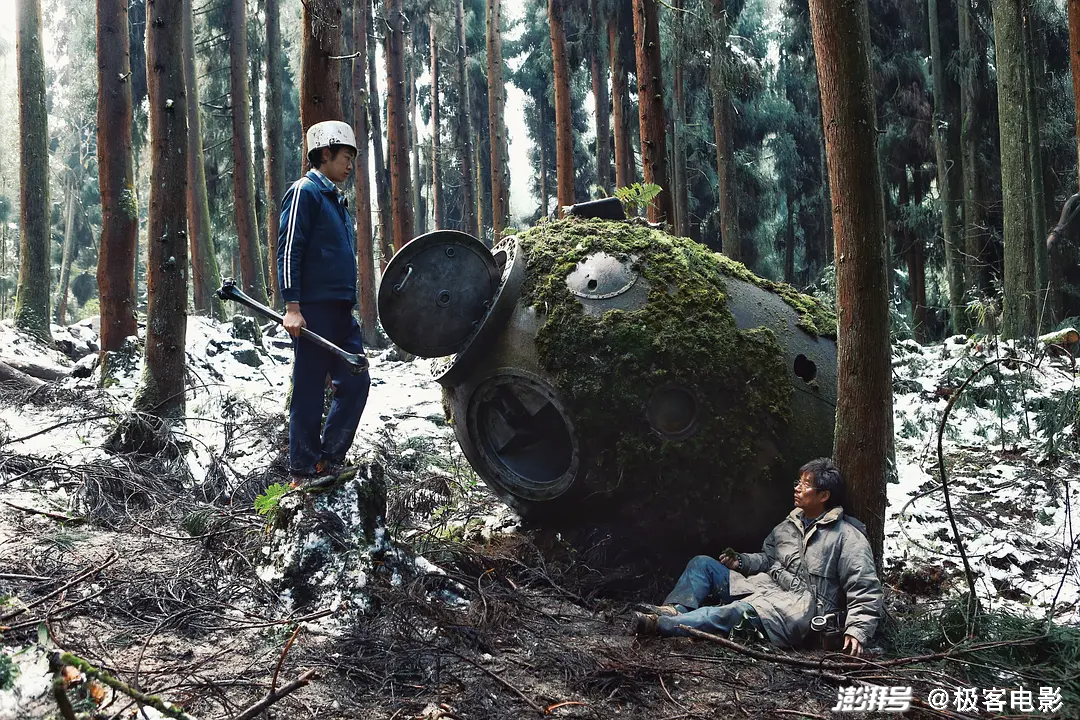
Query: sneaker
[[644, 624], [329, 468], [663, 610]]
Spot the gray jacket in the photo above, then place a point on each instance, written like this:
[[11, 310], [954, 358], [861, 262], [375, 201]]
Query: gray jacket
[[798, 575]]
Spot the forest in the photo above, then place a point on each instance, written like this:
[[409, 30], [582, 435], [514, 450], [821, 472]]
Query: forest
[[902, 173]]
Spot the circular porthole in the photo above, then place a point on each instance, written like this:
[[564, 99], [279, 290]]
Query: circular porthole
[[524, 435], [673, 412]]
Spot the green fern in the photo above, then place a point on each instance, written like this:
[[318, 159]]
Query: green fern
[[636, 197], [267, 503]]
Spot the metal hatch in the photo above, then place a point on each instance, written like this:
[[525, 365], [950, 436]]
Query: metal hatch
[[435, 291]]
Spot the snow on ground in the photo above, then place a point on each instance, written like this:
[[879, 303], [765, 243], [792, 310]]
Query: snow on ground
[[1014, 507]]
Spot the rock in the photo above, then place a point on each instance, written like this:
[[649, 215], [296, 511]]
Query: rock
[[248, 356], [245, 328], [121, 362], [85, 367]]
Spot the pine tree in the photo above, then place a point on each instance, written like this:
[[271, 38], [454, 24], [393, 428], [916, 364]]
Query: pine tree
[[161, 388], [564, 138], [275, 140], [651, 108], [841, 33], [35, 243], [397, 130], [500, 179]]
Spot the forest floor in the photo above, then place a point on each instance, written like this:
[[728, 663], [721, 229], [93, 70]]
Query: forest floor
[[177, 600]]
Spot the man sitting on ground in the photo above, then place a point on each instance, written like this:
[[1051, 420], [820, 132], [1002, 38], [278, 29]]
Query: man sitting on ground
[[814, 563]]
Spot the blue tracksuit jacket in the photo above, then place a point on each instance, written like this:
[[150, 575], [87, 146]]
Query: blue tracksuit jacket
[[316, 253]]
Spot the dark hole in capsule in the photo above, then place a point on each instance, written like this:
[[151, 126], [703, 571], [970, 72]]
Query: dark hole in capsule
[[805, 368]]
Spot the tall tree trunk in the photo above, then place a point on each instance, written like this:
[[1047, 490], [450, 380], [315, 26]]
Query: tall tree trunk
[[275, 139], [205, 278], [545, 196], [789, 243], [914, 255], [65, 262], [382, 184], [841, 34], [419, 214], [320, 77], [948, 185], [161, 388], [724, 131], [1074, 62], [397, 131], [564, 131], [247, 229], [682, 222], [464, 132], [119, 208], [1019, 308], [1045, 312], [438, 208], [500, 179], [35, 243], [365, 250], [598, 67], [624, 152], [971, 59], [259, 165], [651, 108]]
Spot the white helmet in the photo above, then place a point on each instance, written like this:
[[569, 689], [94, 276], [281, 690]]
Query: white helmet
[[330, 132]]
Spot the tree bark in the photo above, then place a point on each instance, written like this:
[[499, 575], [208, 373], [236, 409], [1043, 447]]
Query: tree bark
[[247, 229], [205, 277], [320, 77], [259, 153], [161, 388], [1019, 307], [624, 152], [1074, 62], [397, 131], [1045, 311], [681, 224], [35, 243], [970, 62], [275, 140], [598, 67], [437, 203], [724, 133], [564, 131], [545, 195], [65, 262], [841, 35], [464, 139], [500, 179], [119, 207], [365, 251], [419, 214], [789, 243], [382, 184], [651, 108], [948, 186]]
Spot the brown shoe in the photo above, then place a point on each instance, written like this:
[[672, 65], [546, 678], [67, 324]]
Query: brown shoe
[[644, 624], [662, 610]]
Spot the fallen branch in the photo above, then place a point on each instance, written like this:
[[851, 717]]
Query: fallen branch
[[104, 677], [16, 379], [63, 703], [28, 578], [854, 663], [274, 695], [78, 579], [45, 513], [51, 614], [498, 679], [968, 572]]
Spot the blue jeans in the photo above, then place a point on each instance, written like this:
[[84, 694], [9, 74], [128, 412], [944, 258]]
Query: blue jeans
[[705, 579], [309, 441]]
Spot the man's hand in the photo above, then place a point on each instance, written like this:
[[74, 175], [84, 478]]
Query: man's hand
[[729, 559], [293, 320], [853, 646]]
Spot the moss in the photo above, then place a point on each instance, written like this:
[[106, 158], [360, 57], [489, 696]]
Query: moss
[[609, 366]]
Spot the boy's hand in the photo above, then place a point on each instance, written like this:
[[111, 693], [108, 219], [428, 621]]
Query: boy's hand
[[729, 559]]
